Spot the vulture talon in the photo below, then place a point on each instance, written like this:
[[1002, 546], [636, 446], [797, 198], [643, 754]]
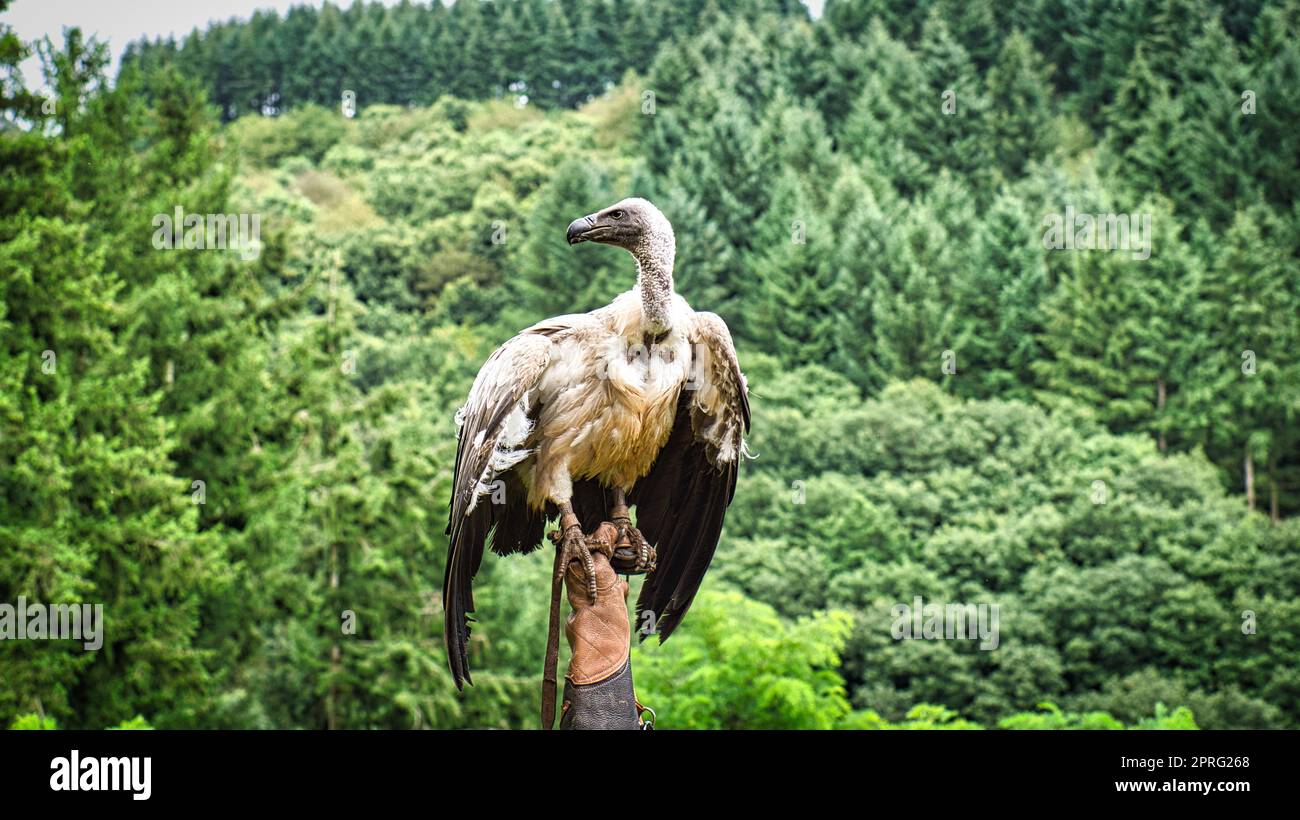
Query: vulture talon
[[645, 554], [575, 546]]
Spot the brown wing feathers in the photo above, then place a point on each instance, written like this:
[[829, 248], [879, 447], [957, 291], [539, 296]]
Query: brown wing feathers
[[512, 527], [680, 507], [682, 501]]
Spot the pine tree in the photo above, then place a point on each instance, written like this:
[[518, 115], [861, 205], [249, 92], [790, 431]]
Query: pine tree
[[1092, 324], [1216, 140], [91, 509], [790, 308], [1143, 133], [1274, 66], [561, 279], [1019, 93], [1246, 384], [998, 296], [878, 129], [913, 321]]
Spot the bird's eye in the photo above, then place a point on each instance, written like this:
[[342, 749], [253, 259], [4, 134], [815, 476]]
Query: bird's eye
[[616, 215]]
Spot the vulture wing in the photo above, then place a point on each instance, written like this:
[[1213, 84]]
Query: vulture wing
[[495, 425], [681, 502]]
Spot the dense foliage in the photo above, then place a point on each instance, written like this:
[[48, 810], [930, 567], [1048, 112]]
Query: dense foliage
[[246, 457], [550, 54]]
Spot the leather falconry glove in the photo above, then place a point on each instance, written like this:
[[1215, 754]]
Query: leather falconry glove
[[598, 687]]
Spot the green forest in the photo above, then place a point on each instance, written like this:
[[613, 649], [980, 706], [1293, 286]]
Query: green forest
[[245, 453]]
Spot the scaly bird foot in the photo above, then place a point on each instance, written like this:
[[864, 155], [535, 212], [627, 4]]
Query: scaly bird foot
[[574, 546], [630, 538]]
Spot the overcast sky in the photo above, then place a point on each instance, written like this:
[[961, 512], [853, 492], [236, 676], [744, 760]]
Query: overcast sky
[[118, 22]]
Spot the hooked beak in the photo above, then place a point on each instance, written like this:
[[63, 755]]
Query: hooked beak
[[579, 228]]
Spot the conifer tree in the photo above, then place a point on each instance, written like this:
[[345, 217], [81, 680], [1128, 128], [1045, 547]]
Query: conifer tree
[[998, 297], [1019, 94]]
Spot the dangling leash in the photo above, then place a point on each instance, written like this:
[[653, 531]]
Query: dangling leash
[[552, 642]]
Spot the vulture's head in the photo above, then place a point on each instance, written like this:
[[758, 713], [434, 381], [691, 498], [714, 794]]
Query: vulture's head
[[632, 224]]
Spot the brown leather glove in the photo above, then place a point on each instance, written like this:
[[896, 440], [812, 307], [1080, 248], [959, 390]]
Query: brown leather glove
[[598, 687], [599, 635]]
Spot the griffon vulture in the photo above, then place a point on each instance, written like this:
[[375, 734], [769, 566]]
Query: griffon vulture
[[639, 403]]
